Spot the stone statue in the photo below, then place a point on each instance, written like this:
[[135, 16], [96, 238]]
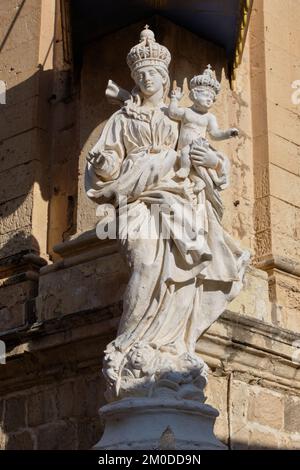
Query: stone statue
[[179, 284]]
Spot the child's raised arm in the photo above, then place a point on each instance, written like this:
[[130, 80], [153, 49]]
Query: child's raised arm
[[218, 134], [176, 112]]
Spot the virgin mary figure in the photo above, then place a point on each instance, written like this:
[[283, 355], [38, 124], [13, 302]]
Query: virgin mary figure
[[185, 272]]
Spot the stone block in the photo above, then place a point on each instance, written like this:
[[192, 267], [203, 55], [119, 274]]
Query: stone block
[[285, 218], [286, 246], [16, 213], [280, 90], [20, 65], [95, 387], [61, 435], [292, 414], [89, 433], [216, 392], [238, 406], [12, 318], [14, 414], [66, 405], [18, 149], [262, 215], [3, 439], [20, 84], [90, 285], [13, 300], [279, 72], [261, 178], [16, 182], [81, 398], [277, 9], [17, 241], [26, 28], [290, 442], [265, 407], [19, 117], [277, 115], [2, 433], [263, 440], [285, 185], [291, 320], [271, 19], [253, 300], [287, 289], [20, 441], [41, 407], [240, 441]]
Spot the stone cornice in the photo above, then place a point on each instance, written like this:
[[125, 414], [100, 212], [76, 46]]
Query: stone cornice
[[234, 344], [281, 263]]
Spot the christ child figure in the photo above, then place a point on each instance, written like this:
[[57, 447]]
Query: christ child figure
[[197, 120]]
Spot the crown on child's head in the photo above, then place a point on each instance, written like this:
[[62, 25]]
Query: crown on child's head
[[207, 79], [148, 52]]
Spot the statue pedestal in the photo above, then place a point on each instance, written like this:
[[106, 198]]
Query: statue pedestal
[[158, 423]]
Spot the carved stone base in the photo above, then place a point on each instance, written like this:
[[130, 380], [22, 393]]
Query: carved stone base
[[158, 423]]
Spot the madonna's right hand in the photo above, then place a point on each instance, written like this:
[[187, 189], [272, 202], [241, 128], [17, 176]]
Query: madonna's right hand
[[95, 159]]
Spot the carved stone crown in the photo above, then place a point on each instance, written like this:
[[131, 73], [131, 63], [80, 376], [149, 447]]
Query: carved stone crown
[[148, 52], [207, 79]]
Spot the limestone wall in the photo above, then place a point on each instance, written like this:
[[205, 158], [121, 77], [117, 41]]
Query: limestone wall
[[61, 288]]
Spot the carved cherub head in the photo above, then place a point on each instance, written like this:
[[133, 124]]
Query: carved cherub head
[[141, 355]]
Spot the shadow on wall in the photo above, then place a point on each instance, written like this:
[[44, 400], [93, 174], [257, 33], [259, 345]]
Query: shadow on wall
[[37, 155]]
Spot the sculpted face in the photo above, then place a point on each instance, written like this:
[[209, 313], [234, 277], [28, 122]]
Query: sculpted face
[[141, 355], [149, 80], [203, 97]]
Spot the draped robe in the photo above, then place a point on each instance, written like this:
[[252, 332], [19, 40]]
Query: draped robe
[[180, 283]]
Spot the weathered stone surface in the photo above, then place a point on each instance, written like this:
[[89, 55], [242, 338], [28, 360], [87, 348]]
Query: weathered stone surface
[[80, 398], [89, 285], [216, 392], [3, 439], [14, 414], [16, 213], [17, 181], [17, 241], [285, 185], [89, 432], [19, 117], [13, 317], [61, 435], [285, 293], [41, 407], [290, 441], [13, 300], [238, 407], [292, 414], [20, 441], [254, 299], [265, 407], [18, 149], [263, 440]]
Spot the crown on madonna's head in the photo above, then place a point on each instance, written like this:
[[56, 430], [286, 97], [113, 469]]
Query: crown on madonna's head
[[207, 79], [148, 52]]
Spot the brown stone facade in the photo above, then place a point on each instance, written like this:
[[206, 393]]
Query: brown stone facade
[[61, 288]]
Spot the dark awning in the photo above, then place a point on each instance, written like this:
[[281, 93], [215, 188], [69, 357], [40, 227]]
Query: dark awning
[[222, 22]]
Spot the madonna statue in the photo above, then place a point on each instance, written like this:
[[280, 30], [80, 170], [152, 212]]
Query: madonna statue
[[186, 269]]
